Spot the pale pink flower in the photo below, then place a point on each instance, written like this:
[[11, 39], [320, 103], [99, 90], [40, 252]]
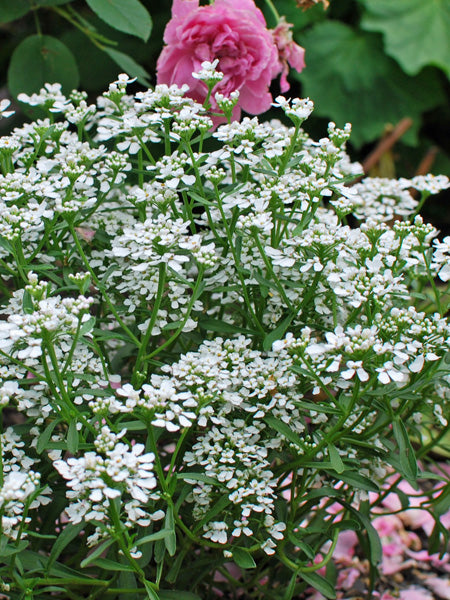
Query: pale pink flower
[[290, 54], [232, 31]]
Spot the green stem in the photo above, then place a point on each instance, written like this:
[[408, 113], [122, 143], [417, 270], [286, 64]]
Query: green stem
[[174, 336], [101, 288], [140, 359]]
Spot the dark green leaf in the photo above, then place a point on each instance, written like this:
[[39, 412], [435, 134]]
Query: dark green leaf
[[170, 539], [416, 32], [129, 16], [68, 534], [197, 477], [111, 565], [277, 333], [128, 65], [243, 558], [335, 459], [153, 537], [13, 9], [41, 59], [356, 480], [72, 438], [285, 430], [6, 245], [45, 436], [407, 457], [369, 97], [27, 303], [177, 595], [96, 553], [319, 583]]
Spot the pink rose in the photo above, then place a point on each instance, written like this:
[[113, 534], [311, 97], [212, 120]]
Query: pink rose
[[233, 31]]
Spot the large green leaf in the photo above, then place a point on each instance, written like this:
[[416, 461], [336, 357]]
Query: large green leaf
[[11, 10], [128, 65], [349, 78], [416, 32], [41, 59], [129, 16]]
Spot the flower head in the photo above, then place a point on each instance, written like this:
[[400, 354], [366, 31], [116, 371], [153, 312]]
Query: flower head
[[235, 33]]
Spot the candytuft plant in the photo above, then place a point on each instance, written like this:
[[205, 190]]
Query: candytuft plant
[[214, 344]]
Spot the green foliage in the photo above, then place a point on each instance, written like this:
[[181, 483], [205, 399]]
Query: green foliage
[[41, 59], [349, 77], [128, 16], [416, 33]]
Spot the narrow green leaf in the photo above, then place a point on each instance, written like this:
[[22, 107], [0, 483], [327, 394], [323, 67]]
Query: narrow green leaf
[[41, 59], [27, 303], [335, 459], [112, 565], [68, 534], [243, 558], [177, 595], [320, 584], [96, 553], [277, 333], [129, 16], [170, 540], [152, 537], [6, 245], [285, 430], [406, 452], [358, 481], [128, 65], [87, 326], [72, 438], [45, 436], [197, 477]]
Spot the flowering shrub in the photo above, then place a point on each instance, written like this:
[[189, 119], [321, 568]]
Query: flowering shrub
[[208, 339], [234, 32]]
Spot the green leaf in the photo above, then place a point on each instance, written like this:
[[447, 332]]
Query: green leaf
[[96, 553], [51, 2], [129, 65], [68, 534], [87, 326], [72, 438], [13, 9], [356, 480], [349, 78], [5, 244], [129, 16], [177, 595], [335, 459], [27, 303], [153, 537], [197, 477], [416, 32], [277, 333], [170, 539], [243, 558], [406, 452], [320, 584], [41, 59], [45, 436], [111, 565], [285, 430], [222, 326]]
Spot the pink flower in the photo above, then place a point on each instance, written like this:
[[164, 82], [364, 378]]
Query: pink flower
[[290, 54], [235, 33]]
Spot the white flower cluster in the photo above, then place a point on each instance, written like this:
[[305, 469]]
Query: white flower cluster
[[95, 480], [20, 488], [234, 323]]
